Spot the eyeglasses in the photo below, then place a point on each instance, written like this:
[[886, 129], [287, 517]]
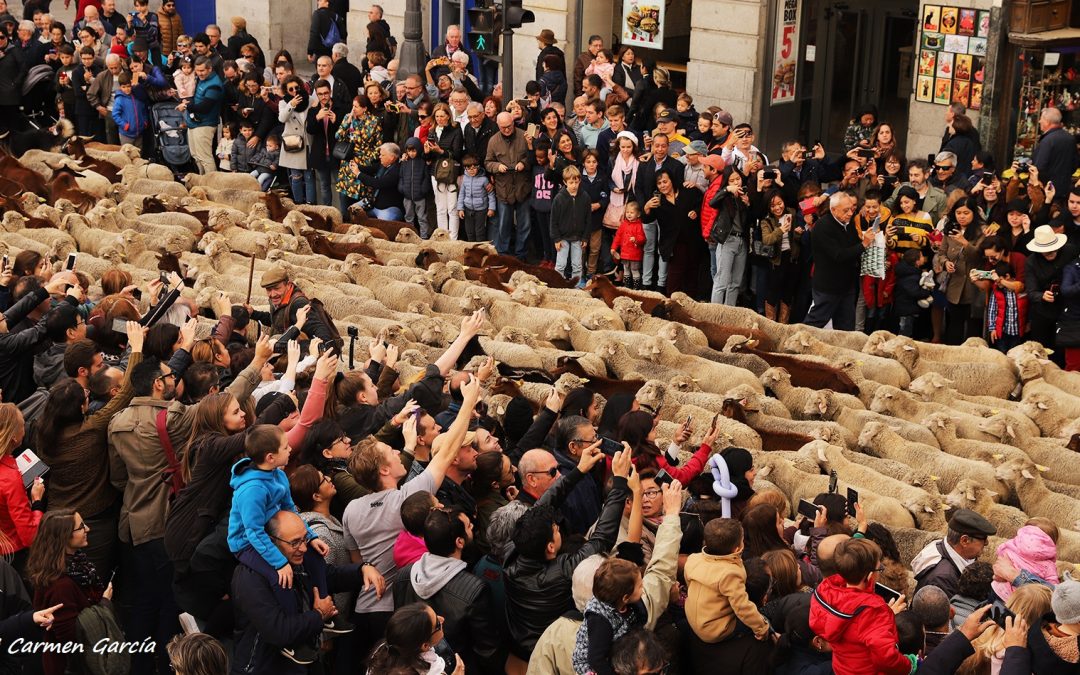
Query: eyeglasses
[[294, 544], [82, 528], [552, 472], [166, 376], [438, 625], [327, 479], [586, 441], [651, 494]]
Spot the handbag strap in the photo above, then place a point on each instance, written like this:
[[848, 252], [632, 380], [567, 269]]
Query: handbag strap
[[175, 479]]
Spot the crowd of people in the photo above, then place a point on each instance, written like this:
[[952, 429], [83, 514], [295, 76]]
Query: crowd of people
[[260, 508]]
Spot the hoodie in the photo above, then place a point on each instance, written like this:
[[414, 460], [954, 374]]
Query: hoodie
[[49, 365], [1031, 550], [257, 495], [431, 572], [860, 627]]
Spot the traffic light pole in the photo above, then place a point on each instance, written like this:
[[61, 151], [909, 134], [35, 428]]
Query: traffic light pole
[[507, 64]]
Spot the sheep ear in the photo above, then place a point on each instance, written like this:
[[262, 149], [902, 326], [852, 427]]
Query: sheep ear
[[1042, 406], [909, 348], [823, 406], [1009, 430], [822, 457], [765, 471], [928, 509], [991, 493], [970, 494], [1027, 474]]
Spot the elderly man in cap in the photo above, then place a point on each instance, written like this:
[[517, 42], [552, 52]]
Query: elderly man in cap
[[941, 562], [285, 302], [694, 176]]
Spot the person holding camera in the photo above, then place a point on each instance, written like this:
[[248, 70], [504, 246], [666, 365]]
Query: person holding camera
[[1043, 271], [322, 127]]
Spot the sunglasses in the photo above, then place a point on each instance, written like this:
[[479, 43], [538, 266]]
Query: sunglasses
[[438, 625], [552, 472]]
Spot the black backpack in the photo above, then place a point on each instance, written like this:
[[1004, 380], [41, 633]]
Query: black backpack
[[317, 309]]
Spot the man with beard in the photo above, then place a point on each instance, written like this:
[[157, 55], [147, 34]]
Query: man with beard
[[144, 443]]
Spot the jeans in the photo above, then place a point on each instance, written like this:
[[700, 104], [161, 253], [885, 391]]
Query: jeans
[[840, 309], [302, 183], [730, 264], [506, 230], [572, 250], [392, 213], [712, 260], [652, 238], [265, 178], [153, 612], [416, 215], [323, 186], [446, 216]]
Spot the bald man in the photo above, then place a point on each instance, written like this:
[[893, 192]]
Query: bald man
[[825, 551], [507, 162]]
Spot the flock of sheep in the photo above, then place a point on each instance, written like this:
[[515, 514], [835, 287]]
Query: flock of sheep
[[916, 428]]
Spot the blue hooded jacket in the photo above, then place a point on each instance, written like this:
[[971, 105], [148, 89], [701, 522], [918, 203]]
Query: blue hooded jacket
[[257, 495], [130, 115]]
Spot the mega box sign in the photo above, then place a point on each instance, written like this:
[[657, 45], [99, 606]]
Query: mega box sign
[[785, 52]]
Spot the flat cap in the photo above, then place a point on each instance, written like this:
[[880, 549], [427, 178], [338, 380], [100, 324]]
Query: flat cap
[[273, 276], [966, 521]]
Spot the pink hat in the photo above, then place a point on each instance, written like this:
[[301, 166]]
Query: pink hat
[[715, 161]]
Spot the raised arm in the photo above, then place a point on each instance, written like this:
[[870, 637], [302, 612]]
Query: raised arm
[[448, 444], [470, 326]]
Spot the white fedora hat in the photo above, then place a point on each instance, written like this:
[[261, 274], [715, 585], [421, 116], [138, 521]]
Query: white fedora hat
[[1046, 240]]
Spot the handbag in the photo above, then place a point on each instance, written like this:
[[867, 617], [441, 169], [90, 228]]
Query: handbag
[[343, 151], [613, 216], [292, 142]]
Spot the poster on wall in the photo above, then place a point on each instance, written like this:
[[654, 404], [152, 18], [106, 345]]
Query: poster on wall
[[786, 51], [643, 23], [952, 55], [924, 90]]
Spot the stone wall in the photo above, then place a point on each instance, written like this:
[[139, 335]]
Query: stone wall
[[725, 55]]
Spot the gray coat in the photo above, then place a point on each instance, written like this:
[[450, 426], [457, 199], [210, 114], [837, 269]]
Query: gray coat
[[295, 123]]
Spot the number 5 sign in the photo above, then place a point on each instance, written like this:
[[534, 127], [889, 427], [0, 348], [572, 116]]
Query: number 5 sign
[[786, 51]]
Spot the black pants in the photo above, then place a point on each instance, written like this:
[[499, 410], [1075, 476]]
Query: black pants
[[152, 612], [474, 225], [839, 308], [956, 323], [368, 631], [1044, 331]]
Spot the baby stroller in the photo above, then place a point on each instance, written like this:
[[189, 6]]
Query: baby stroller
[[170, 134], [39, 98]]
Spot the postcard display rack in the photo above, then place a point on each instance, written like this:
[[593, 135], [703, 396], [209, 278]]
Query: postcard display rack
[[1046, 79], [952, 56]]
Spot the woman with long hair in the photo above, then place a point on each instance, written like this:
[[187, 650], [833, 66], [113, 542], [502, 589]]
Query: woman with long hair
[[628, 72], [777, 231], [958, 253], [763, 531], [444, 143], [493, 488], [884, 144], [638, 429], [623, 179], [364, 131], [677, 209], [328, 449], [409, 647], [1030, 602], [19, 517], [62, 573], [731, 234], [293, 112], [75, 446]]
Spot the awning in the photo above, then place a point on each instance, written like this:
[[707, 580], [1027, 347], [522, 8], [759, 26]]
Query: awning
[[1046, 39]]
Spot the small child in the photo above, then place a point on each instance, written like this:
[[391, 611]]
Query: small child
[[909, 290], [614, 609], [409, 545], [703, 129], [129, 113], [717, 604], [414, 184], [1006, 308], [1033, 551], [265, 161], [570, 221], [688, 115], [261, 489], [856, 622], [541, 192], [474, 204], [603, 64], [225, 147], [184, 79], [242, 153], [629, 245]]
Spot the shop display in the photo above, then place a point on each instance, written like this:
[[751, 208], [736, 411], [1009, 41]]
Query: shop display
[[1056, 85], [952, 56]]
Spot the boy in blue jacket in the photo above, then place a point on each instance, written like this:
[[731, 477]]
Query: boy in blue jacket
[[129, 113], [475, 203], [260, 490], [414, 184]]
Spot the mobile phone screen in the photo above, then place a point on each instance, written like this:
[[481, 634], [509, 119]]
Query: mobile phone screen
[[808, 509], [886, 593], [852, 500], [609, 447]]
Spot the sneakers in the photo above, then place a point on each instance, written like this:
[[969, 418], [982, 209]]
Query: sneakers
[[581, 283], [303, 655], [337, 626]]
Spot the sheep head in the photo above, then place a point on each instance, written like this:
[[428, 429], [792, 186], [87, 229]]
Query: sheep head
[[885, 399], [939, 424], [520, 277], [568, 382], [1037, 405], [118, 191], [657, 350], [65, 206], [821, 404], [518, 336], [1000, 427], [775, 376], [798, 342], [439, 235], [428, 331], [829, 434], [871, 435], [651, 394], [928, 385], [676, 334], [683, 383], [599, 320], [559, 331], [1029, 347], [61, 247], [970, 495], [13, 221], [1016, 471], [628, 309], [528, 294], [199, 193], [1029, 367], [219, 219], [875, 341], [737, 343], [294, 220], [407, 235]]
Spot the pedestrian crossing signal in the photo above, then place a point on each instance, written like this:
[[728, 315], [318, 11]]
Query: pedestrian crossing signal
[[483, 36]]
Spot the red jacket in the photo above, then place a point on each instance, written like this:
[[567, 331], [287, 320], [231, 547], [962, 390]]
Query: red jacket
[[630, 250], [708, 213], [685, 473], [860, 627], [17, 521]]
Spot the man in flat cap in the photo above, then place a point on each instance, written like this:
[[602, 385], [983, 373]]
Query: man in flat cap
[[942, 561], [285, 300]]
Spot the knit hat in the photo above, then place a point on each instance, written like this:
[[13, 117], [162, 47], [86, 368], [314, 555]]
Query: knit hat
[[628, 135], [517, 419], [1066, 600], [268, 399]]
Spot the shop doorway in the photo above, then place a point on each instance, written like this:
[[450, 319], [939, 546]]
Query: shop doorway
[[864, 49]]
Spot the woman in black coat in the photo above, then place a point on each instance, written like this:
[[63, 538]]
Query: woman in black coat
[[680, 244], [254, 104], [628, 72]]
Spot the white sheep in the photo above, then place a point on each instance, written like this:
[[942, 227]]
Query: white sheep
[[824, 406], [778, 381], [936, 388], [127, 154], [1045, 410], [889, 400], [943, 428], [873, 367], [1049, 452], [712, 376], [625, 367], [223, 181], [1038, 500], [133, 172], [970, 495], [989, 379]]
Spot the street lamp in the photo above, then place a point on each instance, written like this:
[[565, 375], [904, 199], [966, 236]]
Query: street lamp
[[411, 52]]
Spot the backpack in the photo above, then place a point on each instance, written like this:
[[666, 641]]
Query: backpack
[[94, 625], [333, 34], [31, 408], [446, 171]]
